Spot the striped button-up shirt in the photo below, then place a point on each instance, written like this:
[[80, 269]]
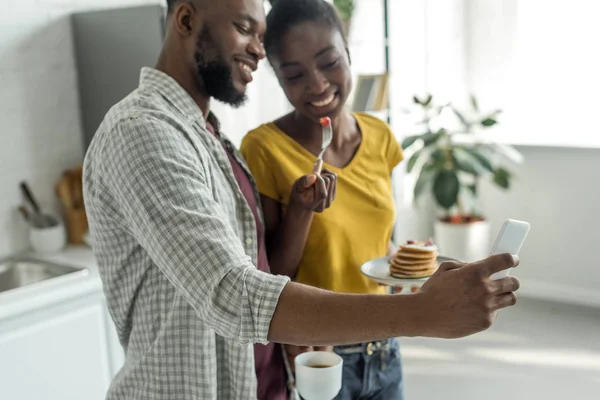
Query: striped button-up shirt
[[176, 246]]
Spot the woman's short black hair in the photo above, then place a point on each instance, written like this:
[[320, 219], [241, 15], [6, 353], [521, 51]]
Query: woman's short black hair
[[285, 14]]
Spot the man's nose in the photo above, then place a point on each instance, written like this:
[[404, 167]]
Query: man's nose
[[257, 49]]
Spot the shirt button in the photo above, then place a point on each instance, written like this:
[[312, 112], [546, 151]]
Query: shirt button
[[248, 241]]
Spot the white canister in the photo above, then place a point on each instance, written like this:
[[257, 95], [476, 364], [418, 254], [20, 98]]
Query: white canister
[[50, 239]]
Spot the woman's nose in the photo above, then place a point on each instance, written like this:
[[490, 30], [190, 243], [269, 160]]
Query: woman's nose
[[317, 83]]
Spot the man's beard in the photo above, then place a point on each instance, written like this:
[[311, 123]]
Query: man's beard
[[215, 73]]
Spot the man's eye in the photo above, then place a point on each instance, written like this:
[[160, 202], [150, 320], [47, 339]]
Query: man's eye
[[242, 29]]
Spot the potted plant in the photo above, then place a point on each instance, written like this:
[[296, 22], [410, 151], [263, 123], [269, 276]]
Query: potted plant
[[450, 156], [345, 9]]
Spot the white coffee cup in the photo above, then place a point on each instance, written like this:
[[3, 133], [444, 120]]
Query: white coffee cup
[[318, 375]]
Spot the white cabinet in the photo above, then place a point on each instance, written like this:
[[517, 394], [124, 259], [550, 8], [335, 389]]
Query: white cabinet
[[66, 351]]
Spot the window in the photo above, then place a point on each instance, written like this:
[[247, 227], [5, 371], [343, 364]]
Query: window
[[538, 61]]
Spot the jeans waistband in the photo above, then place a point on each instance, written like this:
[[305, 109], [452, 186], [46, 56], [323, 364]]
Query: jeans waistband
[[369, 348]]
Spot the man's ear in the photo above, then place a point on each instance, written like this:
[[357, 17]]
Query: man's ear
[[184, 18]]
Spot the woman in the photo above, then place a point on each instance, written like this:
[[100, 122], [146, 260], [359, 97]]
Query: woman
[[307, 49]]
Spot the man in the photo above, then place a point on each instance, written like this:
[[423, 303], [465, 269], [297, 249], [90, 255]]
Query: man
[[176, 236]]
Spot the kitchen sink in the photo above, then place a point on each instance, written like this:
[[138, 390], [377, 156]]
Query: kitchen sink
[[20, 271]]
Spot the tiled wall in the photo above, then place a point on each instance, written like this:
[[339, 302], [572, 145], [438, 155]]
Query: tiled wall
[[40, 132]]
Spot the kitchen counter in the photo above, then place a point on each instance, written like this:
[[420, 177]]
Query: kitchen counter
[[55, 290], [57, 340]]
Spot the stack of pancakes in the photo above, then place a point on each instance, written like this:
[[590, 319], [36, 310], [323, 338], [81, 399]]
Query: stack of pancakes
[[414, 260]]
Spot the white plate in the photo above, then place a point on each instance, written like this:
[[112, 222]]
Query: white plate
[[379, 270]]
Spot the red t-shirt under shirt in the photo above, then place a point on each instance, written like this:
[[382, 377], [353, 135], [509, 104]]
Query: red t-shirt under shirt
[[268, 359]]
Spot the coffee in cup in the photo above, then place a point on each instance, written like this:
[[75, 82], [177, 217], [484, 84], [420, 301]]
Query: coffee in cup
[[318, 375]]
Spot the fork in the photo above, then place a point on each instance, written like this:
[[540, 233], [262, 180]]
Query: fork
[[327, 137]]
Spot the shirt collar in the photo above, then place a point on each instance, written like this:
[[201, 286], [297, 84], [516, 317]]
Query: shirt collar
[[172, 91]]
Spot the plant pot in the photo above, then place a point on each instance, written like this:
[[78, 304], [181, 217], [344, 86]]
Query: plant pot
[[463, 241]]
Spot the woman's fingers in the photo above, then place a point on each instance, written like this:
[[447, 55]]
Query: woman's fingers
[[331, 186]]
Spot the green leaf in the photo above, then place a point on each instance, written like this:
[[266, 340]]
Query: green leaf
[[438, 156], [428, 100], [409, 141], [345, 8], [489, 122], [432, 137], [474, 103], [461, 117], [445, 188], [465, 162], [413, 160], [424, 103], [423, 180], [481, 158], [502, 178]]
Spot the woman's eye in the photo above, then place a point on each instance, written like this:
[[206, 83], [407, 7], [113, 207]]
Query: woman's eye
[[293, 78], [332, 64]]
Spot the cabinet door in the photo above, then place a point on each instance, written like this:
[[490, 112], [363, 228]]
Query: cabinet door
[[61, 353]]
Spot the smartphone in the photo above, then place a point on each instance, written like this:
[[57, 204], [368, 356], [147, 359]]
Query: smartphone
[[510, 240]]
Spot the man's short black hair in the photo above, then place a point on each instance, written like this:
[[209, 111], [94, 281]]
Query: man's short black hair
[[285, 14], [171, 5]]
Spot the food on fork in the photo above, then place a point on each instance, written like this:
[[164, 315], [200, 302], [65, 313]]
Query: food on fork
[[325, 122], [414, 260]]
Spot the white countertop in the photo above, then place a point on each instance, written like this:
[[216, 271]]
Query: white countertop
[[42, 294]]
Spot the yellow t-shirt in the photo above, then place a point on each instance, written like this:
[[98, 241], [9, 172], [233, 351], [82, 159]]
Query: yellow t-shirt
[[358, 225]]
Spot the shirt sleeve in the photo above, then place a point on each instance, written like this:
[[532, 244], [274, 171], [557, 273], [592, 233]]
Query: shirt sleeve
[[253, 150], [394, 153], [157, 179]]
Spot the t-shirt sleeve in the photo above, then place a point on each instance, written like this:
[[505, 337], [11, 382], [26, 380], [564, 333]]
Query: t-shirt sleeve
[[394, 153], [255, 153]]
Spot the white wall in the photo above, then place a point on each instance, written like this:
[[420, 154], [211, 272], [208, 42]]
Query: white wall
[[557, 191], [40, 133], [266, 102], [555, 188]]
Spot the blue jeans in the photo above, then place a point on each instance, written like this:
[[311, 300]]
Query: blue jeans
[[376, 376]]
